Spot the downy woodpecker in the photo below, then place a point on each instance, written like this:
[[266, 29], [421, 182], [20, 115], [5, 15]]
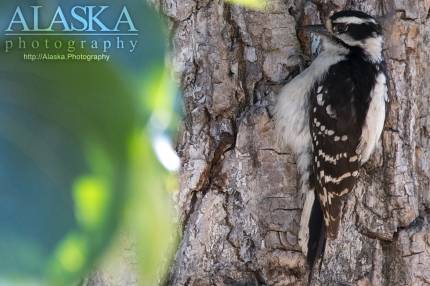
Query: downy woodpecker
[[332, 116]]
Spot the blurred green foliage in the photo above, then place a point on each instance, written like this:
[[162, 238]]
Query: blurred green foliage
[[253, 4], [77, 150], [66, 139]]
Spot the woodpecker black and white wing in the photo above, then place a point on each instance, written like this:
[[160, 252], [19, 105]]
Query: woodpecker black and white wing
[[339, 105]]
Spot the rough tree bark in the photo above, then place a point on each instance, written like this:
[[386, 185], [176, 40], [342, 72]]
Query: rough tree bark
[[239, 202]]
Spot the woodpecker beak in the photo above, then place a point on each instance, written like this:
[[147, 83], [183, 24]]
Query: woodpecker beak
[[316, 29]]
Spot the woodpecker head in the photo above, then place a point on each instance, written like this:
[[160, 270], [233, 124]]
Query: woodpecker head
[[352, 30]]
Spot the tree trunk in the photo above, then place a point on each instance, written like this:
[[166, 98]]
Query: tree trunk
[[239, 202]]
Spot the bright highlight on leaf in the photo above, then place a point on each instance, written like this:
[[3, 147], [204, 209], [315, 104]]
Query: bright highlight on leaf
[[160, 92], [253, 4], [91, 200], [165, 153], [71, 253]]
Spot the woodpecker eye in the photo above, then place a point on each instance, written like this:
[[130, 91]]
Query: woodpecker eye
[[340, 28]]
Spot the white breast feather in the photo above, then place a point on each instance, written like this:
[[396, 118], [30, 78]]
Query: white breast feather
[[374, 119], [292, 108]]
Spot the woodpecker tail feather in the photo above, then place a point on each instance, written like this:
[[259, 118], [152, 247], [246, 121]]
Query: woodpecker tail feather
[[332, 213], [316, 242]]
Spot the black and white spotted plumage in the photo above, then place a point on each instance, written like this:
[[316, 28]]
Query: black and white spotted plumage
[[339, 105], [332, 116]]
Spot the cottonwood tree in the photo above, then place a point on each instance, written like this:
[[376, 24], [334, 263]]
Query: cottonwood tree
[[239, 202]]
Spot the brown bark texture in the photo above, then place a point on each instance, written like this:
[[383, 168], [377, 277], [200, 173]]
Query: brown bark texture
[[239, 202]]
